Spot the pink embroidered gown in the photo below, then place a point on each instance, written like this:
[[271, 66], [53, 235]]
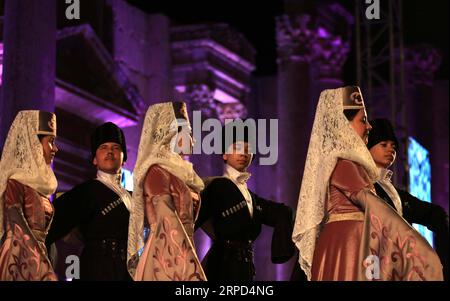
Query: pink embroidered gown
[[359, 224], [27, 218], [171, 208]]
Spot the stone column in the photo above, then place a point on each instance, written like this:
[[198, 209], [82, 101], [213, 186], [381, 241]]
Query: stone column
[[421, 64], [28, 80], [1, 87], [330, 54], [211, 71], [141, 46], [294, 36], [1, 65], [295, 45], [201, 98]]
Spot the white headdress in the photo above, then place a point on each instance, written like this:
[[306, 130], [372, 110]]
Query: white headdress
[[23, 155], [155, 147], [332, 137]]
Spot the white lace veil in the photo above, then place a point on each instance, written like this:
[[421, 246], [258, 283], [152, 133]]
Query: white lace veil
[[23, 159], [332, 137], [159, 128]]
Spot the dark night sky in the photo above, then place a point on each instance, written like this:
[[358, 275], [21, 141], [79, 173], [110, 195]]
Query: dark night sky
[[425, 21]]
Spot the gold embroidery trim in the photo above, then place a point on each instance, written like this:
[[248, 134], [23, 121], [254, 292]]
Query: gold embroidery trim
[[352, 216]]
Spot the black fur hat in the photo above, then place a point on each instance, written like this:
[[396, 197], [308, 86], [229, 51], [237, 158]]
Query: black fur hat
[[382, 130], [108, 132]]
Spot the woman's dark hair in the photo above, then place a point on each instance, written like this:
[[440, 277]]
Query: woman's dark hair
[[351, 113], [41, 137]]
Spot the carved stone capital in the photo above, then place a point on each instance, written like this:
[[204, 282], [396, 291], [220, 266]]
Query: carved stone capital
[[294, 34], [421, 64], [201, 98], [321, 36], [330, 53], [231, 111]]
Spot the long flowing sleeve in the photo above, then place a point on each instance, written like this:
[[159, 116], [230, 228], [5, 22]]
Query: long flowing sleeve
[[209, 207], [350, 178], [434, 218], [280, 217]]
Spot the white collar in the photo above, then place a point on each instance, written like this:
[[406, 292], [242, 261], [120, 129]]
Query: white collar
[[385, 174], [114, 179], [388, 187], [235, 175]]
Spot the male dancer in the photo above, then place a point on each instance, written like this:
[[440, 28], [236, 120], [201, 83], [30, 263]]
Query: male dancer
[[233, 215], [99, 208]]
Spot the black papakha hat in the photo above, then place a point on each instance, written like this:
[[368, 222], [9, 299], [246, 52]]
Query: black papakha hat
[[382, 130], [108, 132]]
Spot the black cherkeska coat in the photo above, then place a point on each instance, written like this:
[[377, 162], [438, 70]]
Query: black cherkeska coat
[[102, 219], [224, 215]]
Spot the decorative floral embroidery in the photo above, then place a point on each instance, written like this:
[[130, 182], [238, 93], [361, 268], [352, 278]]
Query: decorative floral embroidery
[[399, 258], [23, 259], [175, 259]]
